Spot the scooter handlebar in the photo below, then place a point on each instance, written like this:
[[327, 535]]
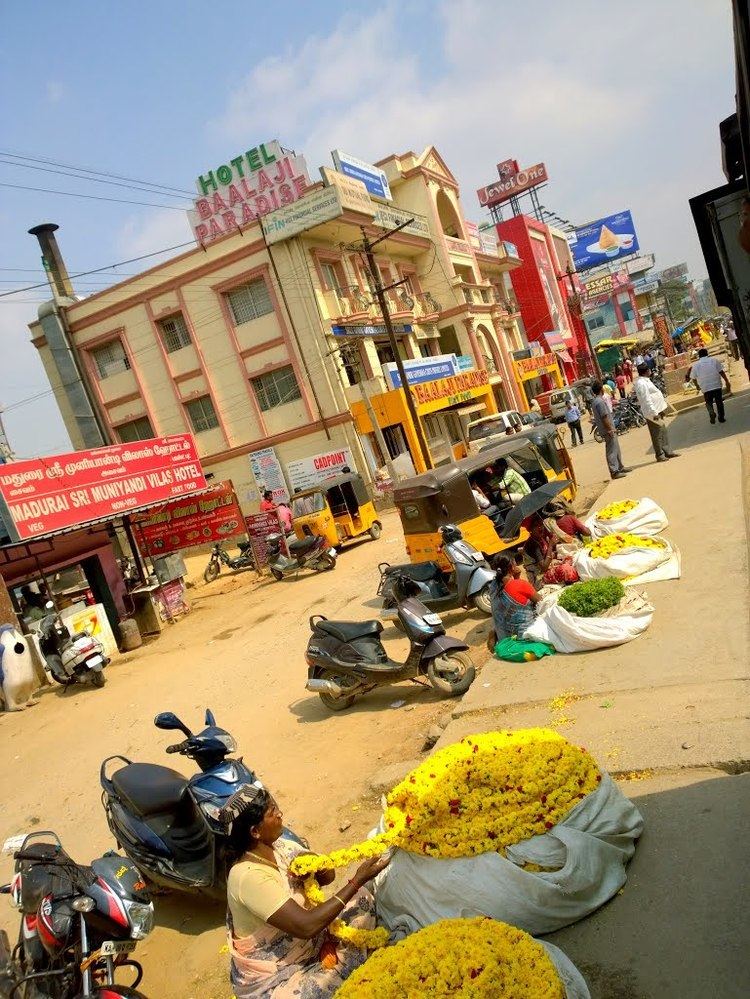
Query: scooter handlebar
[[178, 747]]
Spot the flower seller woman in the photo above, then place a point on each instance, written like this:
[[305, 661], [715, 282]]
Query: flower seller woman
[[280, 946], [513, 600]]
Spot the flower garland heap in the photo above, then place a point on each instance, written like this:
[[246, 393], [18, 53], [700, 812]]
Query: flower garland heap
[[615, 544], [480, 795], [616, 510], [475, 958]]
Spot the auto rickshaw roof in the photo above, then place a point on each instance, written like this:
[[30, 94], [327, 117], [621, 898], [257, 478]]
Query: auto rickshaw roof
[[336, 480]]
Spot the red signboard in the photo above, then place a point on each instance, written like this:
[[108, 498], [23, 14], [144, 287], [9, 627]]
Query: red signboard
[[50, 494], [511, 184], [196, 520], [259, 526]]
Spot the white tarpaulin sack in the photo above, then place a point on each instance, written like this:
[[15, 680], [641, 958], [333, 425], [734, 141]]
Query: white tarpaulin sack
[[573, 982], [585, 856], [631, 564], [647, 519], [569, 633]]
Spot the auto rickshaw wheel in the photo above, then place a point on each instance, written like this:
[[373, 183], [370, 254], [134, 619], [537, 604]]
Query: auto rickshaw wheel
[[376, 530], [482, 600], [452, 673]]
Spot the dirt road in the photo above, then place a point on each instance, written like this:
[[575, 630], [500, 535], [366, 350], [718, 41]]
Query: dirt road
[[240, 652]]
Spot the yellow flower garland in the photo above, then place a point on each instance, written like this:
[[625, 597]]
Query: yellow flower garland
[[616, 510], [365, 939], [478, 958], [480, 795], [614, 544]]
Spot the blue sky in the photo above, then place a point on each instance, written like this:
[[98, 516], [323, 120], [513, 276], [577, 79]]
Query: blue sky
[[622, 104]]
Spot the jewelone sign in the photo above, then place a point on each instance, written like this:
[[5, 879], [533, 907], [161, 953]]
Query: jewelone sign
[[253, 184]]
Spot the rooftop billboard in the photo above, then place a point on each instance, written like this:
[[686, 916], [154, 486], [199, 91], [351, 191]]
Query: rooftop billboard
[[603, 241]]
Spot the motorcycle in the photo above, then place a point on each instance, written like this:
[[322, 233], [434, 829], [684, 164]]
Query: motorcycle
[[626, 415], [169, 826], [219, 554], [304, 553], [79, 924], [74, 658], [347, 659], [468, 585]]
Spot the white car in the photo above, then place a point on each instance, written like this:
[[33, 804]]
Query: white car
[[479, 431]]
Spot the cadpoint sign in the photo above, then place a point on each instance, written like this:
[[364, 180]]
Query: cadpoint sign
[[253, 184]]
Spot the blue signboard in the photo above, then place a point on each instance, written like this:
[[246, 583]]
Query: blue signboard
[[603, 241], [362, 330], [371, 176], [423, 369]]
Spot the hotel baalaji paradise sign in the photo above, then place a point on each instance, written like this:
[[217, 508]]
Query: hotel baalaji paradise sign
[[252, 184], [443, 392]]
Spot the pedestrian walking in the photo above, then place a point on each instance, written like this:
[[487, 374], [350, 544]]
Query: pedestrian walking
[[627, 369], [602, 417], [708, 373], [654, 407], [732, 341], [573, 419], [620, 382]]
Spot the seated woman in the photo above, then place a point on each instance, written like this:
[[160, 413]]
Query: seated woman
[[276, 940], [513, 600], [564, 525], [546, 564]]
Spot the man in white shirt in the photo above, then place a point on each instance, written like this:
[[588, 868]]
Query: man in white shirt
[[732, 341], [653, 406], [708, 374]]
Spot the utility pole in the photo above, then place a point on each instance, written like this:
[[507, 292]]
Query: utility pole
[[345, 350], [383, 303], [6, 451]]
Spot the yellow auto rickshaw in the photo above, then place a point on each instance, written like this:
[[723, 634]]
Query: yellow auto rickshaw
[[338, 510], [451, 494]]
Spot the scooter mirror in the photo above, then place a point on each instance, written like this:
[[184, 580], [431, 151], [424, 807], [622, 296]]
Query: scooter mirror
[[49, 605], [169, 720], [210, 720]]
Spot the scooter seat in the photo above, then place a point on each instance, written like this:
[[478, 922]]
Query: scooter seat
[[302, 545], [420, 572], [148, 789], [347, 631]]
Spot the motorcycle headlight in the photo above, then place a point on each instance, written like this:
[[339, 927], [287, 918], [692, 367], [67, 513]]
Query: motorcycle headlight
[[141, 919]]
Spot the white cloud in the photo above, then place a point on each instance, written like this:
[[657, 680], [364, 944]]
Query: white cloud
[[143, 234], [55, 91], [623, 109]]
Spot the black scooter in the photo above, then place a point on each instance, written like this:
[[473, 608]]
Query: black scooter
[[244, 560], [347, 659], [304, 553]]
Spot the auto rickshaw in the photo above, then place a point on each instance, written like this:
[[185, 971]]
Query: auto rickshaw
[[338, 510], [443, 496]]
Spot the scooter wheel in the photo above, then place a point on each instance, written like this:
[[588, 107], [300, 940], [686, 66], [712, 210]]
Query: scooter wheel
[[277, 574], [598, 437], [211, 571], [482, 600], [326, 563], [452, 673], [98, 679]]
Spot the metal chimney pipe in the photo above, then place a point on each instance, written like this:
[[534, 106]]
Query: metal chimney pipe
[[54, 265]]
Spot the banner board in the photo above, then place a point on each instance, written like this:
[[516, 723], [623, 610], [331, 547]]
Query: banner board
[[198, 520]]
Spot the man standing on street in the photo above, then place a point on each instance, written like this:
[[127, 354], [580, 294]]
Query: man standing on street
[[708, 374], [573, 419], [732, 341], [602, 417], [653, 406]]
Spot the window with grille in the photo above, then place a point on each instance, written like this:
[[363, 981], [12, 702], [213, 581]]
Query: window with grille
[[595, 322], [202, 414], [110, 358], [174, 333], [333, 277], [276, 388], [249, 301], [135, 430]]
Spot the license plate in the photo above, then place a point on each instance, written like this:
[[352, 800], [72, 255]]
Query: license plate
[[94, 661], [332, 552], [477, 556], [432, 619], [111, 947]]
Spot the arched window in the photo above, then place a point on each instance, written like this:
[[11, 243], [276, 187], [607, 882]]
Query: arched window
[[449, 219]]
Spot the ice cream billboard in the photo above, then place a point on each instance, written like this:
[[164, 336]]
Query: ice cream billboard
[[603, 241]]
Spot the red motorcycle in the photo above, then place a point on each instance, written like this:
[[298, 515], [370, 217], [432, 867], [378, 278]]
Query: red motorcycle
[[79, 925]]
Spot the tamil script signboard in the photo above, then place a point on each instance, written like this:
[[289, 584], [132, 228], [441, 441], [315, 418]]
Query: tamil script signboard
[[214, 515], [259, 526], [306, 472], [603, 241], [253, 184], [371, 176], [62, 491]]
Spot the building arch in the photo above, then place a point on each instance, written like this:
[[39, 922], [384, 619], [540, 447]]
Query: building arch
[[450, 221], [489, 346]]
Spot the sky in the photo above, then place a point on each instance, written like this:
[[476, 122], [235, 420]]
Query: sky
[[622, 103]]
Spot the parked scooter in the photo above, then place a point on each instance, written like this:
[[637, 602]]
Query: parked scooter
[[71, 658], [219, 554], [169, 826], [468, 585], [79, 924], [347, 659], [304, 553]]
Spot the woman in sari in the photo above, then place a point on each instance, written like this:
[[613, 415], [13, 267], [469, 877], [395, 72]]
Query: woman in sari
[[513, 600], [280, 946], [547, 563]]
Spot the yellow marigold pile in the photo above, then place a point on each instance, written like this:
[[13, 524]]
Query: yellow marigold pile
[[614, 544], [474, 958], [480, 795], [616, 510]]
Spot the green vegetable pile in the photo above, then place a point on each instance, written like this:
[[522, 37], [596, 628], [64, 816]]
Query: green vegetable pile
[[589, 598]]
